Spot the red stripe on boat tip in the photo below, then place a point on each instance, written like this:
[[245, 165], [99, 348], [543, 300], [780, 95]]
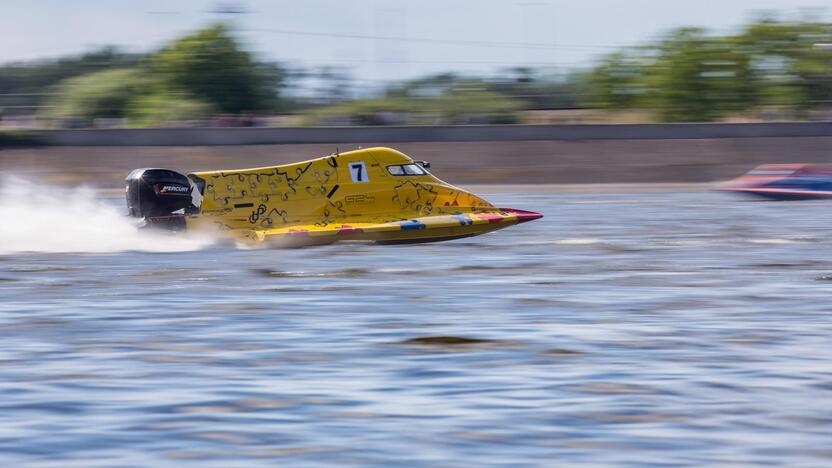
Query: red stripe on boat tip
[[523, 216]]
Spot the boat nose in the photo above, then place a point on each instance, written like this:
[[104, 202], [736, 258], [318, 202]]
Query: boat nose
[[523, 216], [727, 185], [741, 183]]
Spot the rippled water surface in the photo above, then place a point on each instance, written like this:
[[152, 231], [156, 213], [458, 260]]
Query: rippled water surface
[[622, 329]]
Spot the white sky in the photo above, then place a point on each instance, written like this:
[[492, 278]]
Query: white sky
[[573, 32]]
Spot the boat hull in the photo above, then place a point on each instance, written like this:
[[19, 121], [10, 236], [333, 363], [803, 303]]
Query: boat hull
[[375, 194], [784, 182]]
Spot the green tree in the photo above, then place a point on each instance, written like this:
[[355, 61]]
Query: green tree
[[202, 73], [692, 76], [211, 66], [99, 95], [697, 78], [618, 81], [160, 107], [790, 67], [25, 85]]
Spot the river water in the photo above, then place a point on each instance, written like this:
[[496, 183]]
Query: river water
[[623, 329]]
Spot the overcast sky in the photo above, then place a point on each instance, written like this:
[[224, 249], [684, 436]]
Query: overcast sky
[[474, 36]]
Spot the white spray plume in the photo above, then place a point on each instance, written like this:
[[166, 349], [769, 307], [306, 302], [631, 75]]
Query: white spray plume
[[35, 217]]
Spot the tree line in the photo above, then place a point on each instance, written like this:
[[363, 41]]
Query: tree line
[[775, 66], [770, 67]]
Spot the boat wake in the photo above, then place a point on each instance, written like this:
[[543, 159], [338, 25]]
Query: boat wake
[[39, 218]]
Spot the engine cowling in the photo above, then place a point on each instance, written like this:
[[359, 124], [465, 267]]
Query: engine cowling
[[158, 193]]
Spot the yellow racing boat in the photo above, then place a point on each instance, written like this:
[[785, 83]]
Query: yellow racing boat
[[373, 194]]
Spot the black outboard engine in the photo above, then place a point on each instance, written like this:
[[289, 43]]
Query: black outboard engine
[[159, 196]]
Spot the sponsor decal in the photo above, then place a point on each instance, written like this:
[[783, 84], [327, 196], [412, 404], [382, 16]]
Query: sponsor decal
[[464, 220], [172, 189], [359, 199], [412, 225]]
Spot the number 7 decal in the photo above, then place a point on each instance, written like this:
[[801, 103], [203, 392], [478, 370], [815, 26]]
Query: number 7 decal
[[358, 172]]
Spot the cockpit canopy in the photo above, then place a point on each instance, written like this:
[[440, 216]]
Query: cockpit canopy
[[407, 170]]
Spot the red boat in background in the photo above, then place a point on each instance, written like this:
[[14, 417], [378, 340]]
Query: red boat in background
[[784, 182]]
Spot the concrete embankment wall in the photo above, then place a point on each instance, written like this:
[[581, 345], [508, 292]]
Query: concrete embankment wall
[[424, 134], [462, 155]]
